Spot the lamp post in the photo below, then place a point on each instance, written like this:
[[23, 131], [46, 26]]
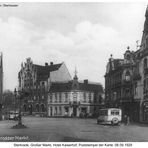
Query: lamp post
[[15, 93], [20, 94], [20, 116]]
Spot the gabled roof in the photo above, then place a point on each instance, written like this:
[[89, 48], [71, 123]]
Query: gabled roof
[[46, 69]]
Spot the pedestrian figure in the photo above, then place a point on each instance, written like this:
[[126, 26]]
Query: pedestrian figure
[[128, 120], [125, 119], [66, 113]]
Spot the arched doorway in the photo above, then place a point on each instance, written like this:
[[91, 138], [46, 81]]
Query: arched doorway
[[50, 111], [43, 108], [37, 108]]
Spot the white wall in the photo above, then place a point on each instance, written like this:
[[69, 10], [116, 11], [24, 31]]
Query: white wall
[[60, 75]]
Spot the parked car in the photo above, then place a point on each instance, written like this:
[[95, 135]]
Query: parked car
[[13, 115], [110, 116]]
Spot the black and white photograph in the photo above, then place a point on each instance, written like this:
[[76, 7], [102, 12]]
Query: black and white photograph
[[74, 72]]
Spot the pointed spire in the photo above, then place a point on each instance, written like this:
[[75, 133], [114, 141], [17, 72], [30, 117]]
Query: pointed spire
[[75, 74], [75, 71]]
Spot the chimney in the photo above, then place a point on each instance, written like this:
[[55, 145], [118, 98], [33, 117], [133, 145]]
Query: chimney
[[86, 81], [46, 64], [51, 63]]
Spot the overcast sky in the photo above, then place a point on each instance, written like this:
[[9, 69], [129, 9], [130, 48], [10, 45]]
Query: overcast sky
[[80, 34]]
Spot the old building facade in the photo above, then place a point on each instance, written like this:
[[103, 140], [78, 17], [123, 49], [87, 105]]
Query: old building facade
[[74, 98], [1, 84], [119, 88], [35, 80], [132, 82], [141, 84]]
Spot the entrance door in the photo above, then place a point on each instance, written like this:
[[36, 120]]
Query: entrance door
[[30, 109], [74, 111], [51, 111]]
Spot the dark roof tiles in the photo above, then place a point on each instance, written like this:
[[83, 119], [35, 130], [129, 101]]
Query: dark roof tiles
[[43, 72], [67, 86]]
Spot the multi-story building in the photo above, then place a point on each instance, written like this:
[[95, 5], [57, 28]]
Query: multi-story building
[[1, 84], [75, 98], [141, 83], [119, 84], [126, 80], [36, 80]]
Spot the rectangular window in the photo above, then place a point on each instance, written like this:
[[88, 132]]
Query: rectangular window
[[55, 97], [55, 111], [66, 97], [39, 96], [114, 112], [60, 110], [84, 96], [89, 97], [50, 97], [75, 96], [60, 97]]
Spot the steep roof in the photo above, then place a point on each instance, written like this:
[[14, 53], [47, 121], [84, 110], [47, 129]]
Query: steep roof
[[60, 86], [43, 72], [67, 86]]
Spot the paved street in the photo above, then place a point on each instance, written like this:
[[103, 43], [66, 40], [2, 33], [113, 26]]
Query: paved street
[[68, 130]]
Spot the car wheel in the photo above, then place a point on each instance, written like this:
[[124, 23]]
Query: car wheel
[[115, 121]]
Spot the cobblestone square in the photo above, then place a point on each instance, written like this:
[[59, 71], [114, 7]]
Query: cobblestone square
[[71, 130]]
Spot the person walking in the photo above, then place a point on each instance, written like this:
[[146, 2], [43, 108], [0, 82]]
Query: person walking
[[125, 120], [128, 120]]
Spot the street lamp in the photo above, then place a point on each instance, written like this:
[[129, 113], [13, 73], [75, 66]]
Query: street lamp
[[15, 93], [20, 94]]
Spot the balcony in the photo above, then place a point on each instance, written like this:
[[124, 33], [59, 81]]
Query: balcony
[[126, 83], [137, 77], [74, 103]]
